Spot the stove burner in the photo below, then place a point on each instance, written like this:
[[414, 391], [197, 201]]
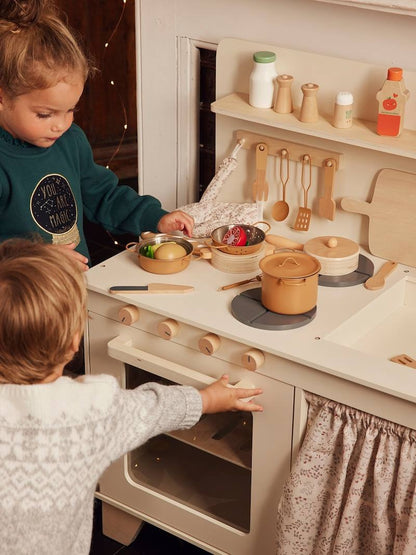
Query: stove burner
[[364, 270], [247, 308]]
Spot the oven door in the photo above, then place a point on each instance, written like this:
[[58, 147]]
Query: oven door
[[216, 484]]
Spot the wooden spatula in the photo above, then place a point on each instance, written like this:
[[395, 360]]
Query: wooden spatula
[[327, 206], [303, 217], [260, 186]]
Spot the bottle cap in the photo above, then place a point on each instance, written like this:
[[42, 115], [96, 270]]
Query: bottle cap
[[264, 57], [394, 74], [344, 98]]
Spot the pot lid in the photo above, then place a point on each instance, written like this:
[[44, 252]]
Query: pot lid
[[290, 265], [331, 247]]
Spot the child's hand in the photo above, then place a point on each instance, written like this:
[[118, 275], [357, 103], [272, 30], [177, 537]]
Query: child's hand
[[217, 397], [80, 259], [176, 221]]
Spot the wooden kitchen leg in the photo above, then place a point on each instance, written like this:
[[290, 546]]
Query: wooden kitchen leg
[[119, 525]]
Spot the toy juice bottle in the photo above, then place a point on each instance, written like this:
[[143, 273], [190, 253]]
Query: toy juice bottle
[[391, 98]]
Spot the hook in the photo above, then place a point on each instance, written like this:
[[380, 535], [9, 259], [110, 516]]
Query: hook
[[237, 147]]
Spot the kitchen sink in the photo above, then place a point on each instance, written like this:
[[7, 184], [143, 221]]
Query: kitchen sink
[[385, 327]]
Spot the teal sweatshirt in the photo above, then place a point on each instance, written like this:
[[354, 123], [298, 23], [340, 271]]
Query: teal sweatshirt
[[47, 191]]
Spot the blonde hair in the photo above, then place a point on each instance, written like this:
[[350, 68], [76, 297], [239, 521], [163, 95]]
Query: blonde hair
[[42, 308], [37, 48]]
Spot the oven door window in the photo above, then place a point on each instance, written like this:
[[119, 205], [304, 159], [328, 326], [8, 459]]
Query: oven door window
[[207, 467]]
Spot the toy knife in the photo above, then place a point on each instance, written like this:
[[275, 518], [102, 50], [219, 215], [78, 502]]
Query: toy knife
[[151, 288]]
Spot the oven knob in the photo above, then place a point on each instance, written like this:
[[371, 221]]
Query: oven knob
[[209, 344], [252, 359], [128, 314], [168, 328]]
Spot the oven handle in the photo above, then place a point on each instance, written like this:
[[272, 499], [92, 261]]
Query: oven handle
[[122, 349]]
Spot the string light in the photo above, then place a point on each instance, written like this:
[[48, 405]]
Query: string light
[[123, 107], [112, 83]]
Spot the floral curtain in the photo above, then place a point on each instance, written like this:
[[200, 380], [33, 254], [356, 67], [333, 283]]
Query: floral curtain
[[352, 488]]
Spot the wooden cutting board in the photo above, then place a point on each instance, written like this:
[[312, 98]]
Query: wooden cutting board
[[392, 213]]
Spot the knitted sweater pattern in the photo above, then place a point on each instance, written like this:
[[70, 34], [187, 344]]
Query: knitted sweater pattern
[[56, 440]]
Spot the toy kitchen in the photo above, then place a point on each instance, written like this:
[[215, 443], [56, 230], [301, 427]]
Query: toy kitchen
[[343, 197]]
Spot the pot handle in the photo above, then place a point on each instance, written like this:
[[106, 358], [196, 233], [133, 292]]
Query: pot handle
[[268, 226], [133, 246], [289, 259], [299, 281]]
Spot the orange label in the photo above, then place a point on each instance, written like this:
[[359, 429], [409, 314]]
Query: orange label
[[388, 125]]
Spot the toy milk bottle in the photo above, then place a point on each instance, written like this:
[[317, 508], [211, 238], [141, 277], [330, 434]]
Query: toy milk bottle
[[391, 102], [262, 80]]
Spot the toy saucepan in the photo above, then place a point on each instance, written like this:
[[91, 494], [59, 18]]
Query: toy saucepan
[[162, 266]]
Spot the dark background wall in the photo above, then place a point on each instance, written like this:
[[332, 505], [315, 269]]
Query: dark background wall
[[104, 109]]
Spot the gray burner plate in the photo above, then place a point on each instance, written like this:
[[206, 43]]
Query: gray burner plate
[[247, 308]]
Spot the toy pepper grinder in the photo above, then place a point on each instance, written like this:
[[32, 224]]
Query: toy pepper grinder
[[391, 98], [283, 103], [309, 109]]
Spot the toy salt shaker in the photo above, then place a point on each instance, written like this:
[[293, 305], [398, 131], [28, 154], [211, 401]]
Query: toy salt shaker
[[309, 109], [283, 103], [262, 80], [343, 110]]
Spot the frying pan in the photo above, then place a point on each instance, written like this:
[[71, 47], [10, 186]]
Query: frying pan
[[255, 238]]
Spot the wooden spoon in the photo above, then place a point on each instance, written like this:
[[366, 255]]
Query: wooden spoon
[[280, 209], [378, 280]]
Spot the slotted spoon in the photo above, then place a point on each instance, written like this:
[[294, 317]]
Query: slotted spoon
[[303, 217]]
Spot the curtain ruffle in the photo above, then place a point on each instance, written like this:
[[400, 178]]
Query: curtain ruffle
[[352, 488]]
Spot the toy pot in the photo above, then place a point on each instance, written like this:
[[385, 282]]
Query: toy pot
[[290, 282], [162, 266]]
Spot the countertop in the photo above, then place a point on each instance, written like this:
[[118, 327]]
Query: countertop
[[315, 345]]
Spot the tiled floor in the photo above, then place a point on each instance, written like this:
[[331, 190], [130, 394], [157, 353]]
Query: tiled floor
[[150, 541]]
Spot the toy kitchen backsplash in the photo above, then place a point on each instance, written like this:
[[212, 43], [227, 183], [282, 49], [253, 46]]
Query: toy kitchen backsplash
[[319, 167], [340, 48]]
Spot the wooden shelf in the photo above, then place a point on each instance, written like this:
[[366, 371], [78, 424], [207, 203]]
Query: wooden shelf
[[361, 134]]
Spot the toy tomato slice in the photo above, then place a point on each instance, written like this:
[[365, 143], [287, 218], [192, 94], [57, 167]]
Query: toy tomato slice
[[236, 236]]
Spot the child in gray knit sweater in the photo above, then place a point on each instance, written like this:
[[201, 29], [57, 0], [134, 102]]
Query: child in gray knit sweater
[[58, 435]]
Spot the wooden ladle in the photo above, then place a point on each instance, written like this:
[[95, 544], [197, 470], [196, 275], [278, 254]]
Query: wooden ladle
[[280, 209]]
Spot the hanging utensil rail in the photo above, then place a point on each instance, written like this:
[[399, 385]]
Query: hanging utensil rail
[[296, 150]]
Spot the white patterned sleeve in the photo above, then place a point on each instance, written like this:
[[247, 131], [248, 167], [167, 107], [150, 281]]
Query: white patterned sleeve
[[139, 414]]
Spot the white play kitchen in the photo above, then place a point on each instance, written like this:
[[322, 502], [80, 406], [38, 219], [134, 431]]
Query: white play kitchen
[[305, 313]]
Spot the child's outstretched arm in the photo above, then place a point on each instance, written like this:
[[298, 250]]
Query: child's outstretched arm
[[176, 221], [217, 397]]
